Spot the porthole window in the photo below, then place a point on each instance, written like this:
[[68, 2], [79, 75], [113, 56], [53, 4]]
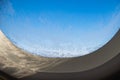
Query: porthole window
[[63, 29]]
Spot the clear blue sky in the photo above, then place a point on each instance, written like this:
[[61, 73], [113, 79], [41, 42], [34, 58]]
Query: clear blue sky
[[60, 28]]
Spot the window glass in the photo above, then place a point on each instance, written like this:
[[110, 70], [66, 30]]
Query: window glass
[[59, 28]]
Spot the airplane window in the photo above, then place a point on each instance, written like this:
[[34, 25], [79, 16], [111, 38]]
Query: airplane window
[[55, 39], [52, 28]]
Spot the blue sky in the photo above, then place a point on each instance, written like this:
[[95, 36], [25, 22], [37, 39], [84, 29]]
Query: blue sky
[[60, 28]]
